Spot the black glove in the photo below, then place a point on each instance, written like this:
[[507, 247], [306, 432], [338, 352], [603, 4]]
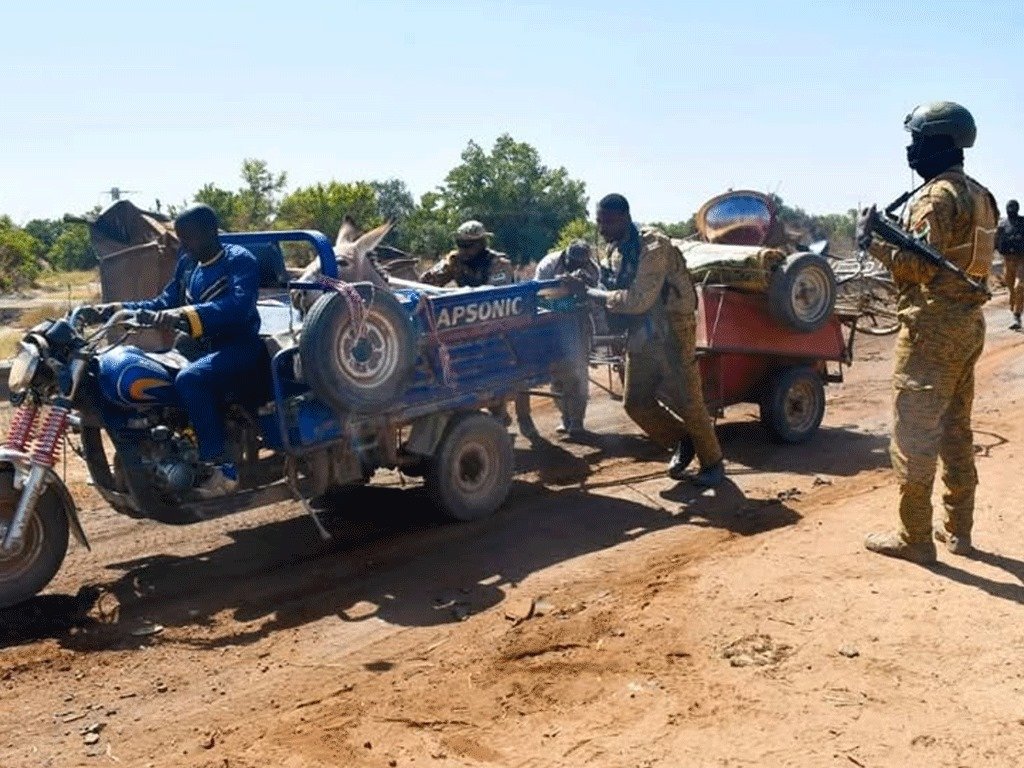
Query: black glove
[[91, 314], [862, 232], [164, 320]]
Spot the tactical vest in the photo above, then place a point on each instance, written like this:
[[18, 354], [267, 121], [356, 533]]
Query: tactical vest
[[972, 236], [678, 294]]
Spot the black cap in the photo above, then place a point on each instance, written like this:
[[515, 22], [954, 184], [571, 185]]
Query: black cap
[[614, 202], [578, 250], [198, 217]]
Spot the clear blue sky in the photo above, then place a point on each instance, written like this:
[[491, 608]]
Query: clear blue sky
[[666, 102]]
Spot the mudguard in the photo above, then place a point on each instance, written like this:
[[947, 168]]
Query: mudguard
[[22, 462]]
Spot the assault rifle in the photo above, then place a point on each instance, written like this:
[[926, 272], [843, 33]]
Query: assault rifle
[[886, 227]]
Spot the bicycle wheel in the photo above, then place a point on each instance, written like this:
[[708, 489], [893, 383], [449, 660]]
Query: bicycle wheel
[[872, 301]]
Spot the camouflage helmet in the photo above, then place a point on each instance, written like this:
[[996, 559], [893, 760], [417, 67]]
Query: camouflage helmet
[[471, 230], [943, 118]]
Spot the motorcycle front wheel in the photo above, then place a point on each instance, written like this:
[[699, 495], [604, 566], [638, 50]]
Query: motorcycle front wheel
[[26, 571]]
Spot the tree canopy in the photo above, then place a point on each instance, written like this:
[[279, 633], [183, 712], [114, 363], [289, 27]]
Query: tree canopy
[[525, 203], [324, 206], [531, 207], [19, 256]]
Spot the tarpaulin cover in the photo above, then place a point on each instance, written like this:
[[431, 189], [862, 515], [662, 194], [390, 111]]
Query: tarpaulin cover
[[740, 266], [137, 251]]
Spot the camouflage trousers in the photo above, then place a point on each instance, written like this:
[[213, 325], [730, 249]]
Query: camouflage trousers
[[1013, 276], [933, 385], [663, 392]]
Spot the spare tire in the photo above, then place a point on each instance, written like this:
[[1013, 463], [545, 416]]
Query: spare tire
[[353, 371], [802, 292]]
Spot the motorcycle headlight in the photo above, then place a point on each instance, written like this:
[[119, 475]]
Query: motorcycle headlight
[[23, 368]]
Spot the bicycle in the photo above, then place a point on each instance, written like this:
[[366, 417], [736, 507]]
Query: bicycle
[[865, 294]]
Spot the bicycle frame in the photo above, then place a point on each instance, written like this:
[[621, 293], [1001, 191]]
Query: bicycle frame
[[874, 301]]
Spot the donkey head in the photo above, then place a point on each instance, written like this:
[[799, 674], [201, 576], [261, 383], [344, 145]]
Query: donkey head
[[350, 254]]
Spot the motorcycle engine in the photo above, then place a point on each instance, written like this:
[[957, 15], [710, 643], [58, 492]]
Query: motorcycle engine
[[174, 459]]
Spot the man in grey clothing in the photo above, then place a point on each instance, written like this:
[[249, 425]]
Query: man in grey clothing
[[570, 379]]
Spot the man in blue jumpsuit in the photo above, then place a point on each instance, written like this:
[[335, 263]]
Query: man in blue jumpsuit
[[212, 298]]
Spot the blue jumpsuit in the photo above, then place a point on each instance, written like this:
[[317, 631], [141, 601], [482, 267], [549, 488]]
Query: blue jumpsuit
[[219, 300]]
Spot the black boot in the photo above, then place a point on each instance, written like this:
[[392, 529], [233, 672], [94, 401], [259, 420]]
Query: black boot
[[710, 476], [681, 458]]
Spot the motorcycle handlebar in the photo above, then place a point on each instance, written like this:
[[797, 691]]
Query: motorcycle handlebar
[[123, 318]]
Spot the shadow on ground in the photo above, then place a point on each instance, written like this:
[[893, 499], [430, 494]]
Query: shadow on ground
[[390, 551], [830, 451]]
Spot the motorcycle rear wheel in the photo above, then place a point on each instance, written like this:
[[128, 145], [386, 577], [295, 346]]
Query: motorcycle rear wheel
[[27, 571]]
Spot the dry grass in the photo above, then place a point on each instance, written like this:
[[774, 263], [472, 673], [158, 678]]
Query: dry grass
[[35, 315], [15, 328], [9, 338], [81, 286]]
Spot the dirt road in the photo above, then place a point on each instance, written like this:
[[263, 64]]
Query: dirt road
[[605, 617]]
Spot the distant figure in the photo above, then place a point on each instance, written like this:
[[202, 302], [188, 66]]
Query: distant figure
[[652, 298], [1010, 243], [941, 337], [570, 376]]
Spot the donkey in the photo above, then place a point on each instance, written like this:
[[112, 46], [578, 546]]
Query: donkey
[[351, 251]]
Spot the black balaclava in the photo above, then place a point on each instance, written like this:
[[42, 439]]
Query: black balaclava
[[929, 156]]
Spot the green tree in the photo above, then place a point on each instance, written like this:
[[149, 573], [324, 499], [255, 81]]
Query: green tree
[[525, 203], [19, 256], [430, 227], [395, 202], [323, 207], [46, 231], [224, 203], [252, 206], [678, 229], [577, 229], [258, 197], [838, 228], [72, 249]]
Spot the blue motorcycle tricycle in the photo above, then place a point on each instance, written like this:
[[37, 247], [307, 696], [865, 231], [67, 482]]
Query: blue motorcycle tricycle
[[399, 377]]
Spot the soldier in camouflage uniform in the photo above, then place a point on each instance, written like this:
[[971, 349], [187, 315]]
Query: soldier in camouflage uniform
[[1010, 244], [472, 263], [941, 336], [651, 297]]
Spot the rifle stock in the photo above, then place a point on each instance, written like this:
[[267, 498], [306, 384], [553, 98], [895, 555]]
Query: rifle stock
[[893, 234]]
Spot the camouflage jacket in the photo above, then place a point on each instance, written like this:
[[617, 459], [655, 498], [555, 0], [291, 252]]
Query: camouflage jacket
[[648, 279], [489, 268], [957, 216]]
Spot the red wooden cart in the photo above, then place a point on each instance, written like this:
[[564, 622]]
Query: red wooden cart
[[746, 355]]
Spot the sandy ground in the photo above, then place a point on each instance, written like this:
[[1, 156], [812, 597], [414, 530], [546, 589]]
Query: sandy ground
[[604, 617]]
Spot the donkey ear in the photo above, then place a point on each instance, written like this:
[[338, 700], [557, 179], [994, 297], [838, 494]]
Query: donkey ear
[[348, 233], [371, 239]]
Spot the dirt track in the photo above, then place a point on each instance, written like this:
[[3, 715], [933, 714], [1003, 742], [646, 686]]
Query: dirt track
[[605, 617]]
